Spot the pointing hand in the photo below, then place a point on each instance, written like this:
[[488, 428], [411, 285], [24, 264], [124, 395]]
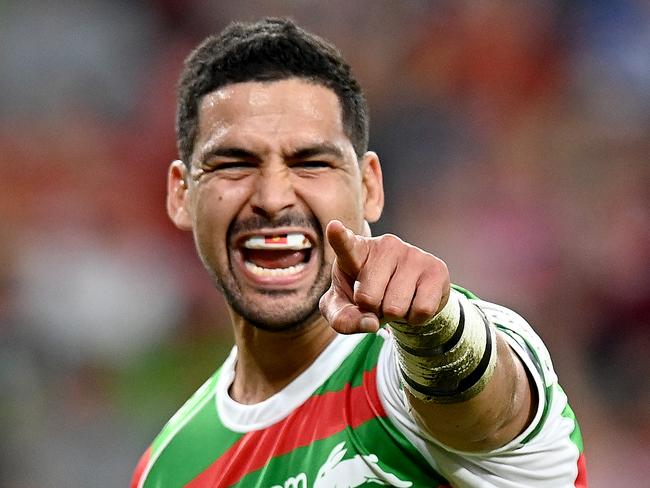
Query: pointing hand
[[381, 279]]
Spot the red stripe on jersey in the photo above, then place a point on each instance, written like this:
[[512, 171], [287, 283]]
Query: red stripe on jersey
[[581, 479], [319, 417], [140, 467]]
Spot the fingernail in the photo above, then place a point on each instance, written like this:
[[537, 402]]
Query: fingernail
[[368, 324]]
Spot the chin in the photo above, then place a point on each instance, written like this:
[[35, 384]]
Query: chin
[[281, 320], [276, 310]]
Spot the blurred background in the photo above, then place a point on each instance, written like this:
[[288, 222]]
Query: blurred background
[[515, 141]]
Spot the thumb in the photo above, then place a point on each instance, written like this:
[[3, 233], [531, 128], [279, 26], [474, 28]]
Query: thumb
[[351, 250]]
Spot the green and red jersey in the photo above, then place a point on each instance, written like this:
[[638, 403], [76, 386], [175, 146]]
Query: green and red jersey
[[344, 422]]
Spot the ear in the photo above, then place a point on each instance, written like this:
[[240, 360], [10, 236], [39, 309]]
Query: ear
[[373, 187], [177, 195]]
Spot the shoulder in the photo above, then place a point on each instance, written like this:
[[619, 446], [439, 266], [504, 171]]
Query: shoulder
[[184, 418], [189, 410]]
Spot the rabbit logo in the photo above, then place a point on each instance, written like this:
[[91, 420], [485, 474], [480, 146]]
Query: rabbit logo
[[337, 472]]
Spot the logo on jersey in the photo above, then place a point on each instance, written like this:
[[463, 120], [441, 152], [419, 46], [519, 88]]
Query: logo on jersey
[[337, 472]]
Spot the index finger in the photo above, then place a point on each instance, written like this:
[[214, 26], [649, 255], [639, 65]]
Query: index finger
[[351, 250]]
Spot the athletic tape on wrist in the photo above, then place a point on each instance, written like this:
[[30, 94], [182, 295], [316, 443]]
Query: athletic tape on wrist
[[451, 358]]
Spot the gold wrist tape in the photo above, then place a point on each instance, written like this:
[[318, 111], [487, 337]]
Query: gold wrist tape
[[451, 358]]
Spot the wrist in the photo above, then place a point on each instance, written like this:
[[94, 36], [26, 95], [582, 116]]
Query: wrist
[[451, 358]]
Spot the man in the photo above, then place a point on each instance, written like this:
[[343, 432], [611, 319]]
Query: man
[[398, 378]]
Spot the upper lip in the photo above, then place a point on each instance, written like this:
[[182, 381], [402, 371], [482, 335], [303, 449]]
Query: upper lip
[[240, 239]]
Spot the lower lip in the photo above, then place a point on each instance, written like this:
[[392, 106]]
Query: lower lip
[[275, 281]]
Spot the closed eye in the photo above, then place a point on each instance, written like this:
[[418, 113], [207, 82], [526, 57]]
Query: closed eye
[[311, 164], [232, 165], [233, 170]]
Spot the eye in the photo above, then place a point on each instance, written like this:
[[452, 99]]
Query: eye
[[311, 164], [231, 165], [230, 169]]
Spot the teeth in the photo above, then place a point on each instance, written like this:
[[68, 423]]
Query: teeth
[[293, 241], [258, 270]]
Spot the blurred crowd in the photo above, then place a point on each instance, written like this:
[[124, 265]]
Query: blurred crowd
[[515, 143]]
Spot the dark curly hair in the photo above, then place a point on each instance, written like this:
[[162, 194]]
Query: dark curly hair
[[267, 50]]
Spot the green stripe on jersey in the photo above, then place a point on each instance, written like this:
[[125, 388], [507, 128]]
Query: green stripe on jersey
[[468, 294], [185, 413], [363, 359], [576, 435], [190, 441]]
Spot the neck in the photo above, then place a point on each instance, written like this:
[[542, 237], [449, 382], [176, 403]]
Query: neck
[[269, 361]]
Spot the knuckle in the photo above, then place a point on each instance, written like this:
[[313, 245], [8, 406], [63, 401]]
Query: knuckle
[[440, 265], [367, 300], [390, 241], [435, 267], [423, 260], [426, 311], [394, 310], [429, 258], [429, 309]]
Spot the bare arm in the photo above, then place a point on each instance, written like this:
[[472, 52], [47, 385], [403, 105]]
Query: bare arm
[[492, 418]]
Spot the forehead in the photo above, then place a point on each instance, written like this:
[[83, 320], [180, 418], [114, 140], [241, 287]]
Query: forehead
[[278, 113]]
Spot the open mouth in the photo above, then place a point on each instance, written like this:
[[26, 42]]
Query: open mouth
[[276, 255]]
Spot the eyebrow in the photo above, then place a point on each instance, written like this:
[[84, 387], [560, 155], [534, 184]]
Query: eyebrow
[[317, 150]]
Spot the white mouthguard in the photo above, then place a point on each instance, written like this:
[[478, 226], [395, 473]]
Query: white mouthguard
[[294, 241]]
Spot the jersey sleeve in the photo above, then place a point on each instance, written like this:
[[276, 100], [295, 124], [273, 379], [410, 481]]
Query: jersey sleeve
[[547, 454]]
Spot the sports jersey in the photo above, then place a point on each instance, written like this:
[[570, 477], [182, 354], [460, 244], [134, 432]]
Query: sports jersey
[[344, 422]]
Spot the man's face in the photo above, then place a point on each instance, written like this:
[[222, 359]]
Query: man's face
[[271, 167]]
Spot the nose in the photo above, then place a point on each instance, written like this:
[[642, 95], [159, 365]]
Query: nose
[[274, 191]]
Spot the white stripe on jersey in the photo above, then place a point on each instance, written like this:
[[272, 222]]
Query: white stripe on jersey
[[547, 460]]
